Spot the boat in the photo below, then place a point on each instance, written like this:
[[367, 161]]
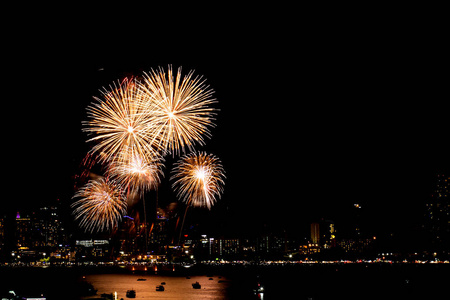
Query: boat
[[131, 294], [163, 283], [259, 289], [160, 288], [141, 279], [196, 285]]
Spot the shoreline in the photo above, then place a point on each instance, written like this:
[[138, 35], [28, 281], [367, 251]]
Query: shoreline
[[143, 266]]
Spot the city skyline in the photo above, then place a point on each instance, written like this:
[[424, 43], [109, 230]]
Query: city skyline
[[430, 230], [48, 233]]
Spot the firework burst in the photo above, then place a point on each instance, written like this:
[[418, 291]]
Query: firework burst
[[138, 173], [120, 124], [199, 179], [181, 112], [100, 207]]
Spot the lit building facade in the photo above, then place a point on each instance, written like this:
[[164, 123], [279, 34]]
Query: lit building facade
[[2, 234], [24, 232], [39, 234], [315, 233], [328, 234], [48, 228], [208, 248]]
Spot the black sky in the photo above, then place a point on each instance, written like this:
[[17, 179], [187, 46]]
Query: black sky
[[314, 115]]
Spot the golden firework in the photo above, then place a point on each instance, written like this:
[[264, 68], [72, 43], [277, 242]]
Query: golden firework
[[199, 179], [180, 109], [120, 124], [137, 173], [101, 205]]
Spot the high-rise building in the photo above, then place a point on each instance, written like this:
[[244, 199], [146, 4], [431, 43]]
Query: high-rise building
[[315, 233], [24, 232], [437, 216], [227, 247], [356, 222], [328, 234], [48, 228], [2, 234], [159, 234], [262, 245]]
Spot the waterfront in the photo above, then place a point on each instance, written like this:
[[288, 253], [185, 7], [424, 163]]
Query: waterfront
[[306, 281]]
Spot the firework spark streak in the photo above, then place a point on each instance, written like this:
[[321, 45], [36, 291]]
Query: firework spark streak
[[100, 207], [181, 112], [199, 179]]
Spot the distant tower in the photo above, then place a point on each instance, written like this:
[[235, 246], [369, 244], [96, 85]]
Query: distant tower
[[356, 230], [2, 234], [315, 233], [438, 212], [24, 233]]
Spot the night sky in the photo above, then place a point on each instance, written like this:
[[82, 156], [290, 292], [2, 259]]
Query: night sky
[[313, 116]]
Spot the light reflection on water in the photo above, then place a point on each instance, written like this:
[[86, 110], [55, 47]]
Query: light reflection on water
[[175, 287]]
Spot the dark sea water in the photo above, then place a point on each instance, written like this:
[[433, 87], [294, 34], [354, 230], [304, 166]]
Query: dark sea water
[[334, 281], [176, 287]]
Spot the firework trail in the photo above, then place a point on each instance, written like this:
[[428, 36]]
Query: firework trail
[[181, 112], [85, 170], [100, 207], [199, 179]]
